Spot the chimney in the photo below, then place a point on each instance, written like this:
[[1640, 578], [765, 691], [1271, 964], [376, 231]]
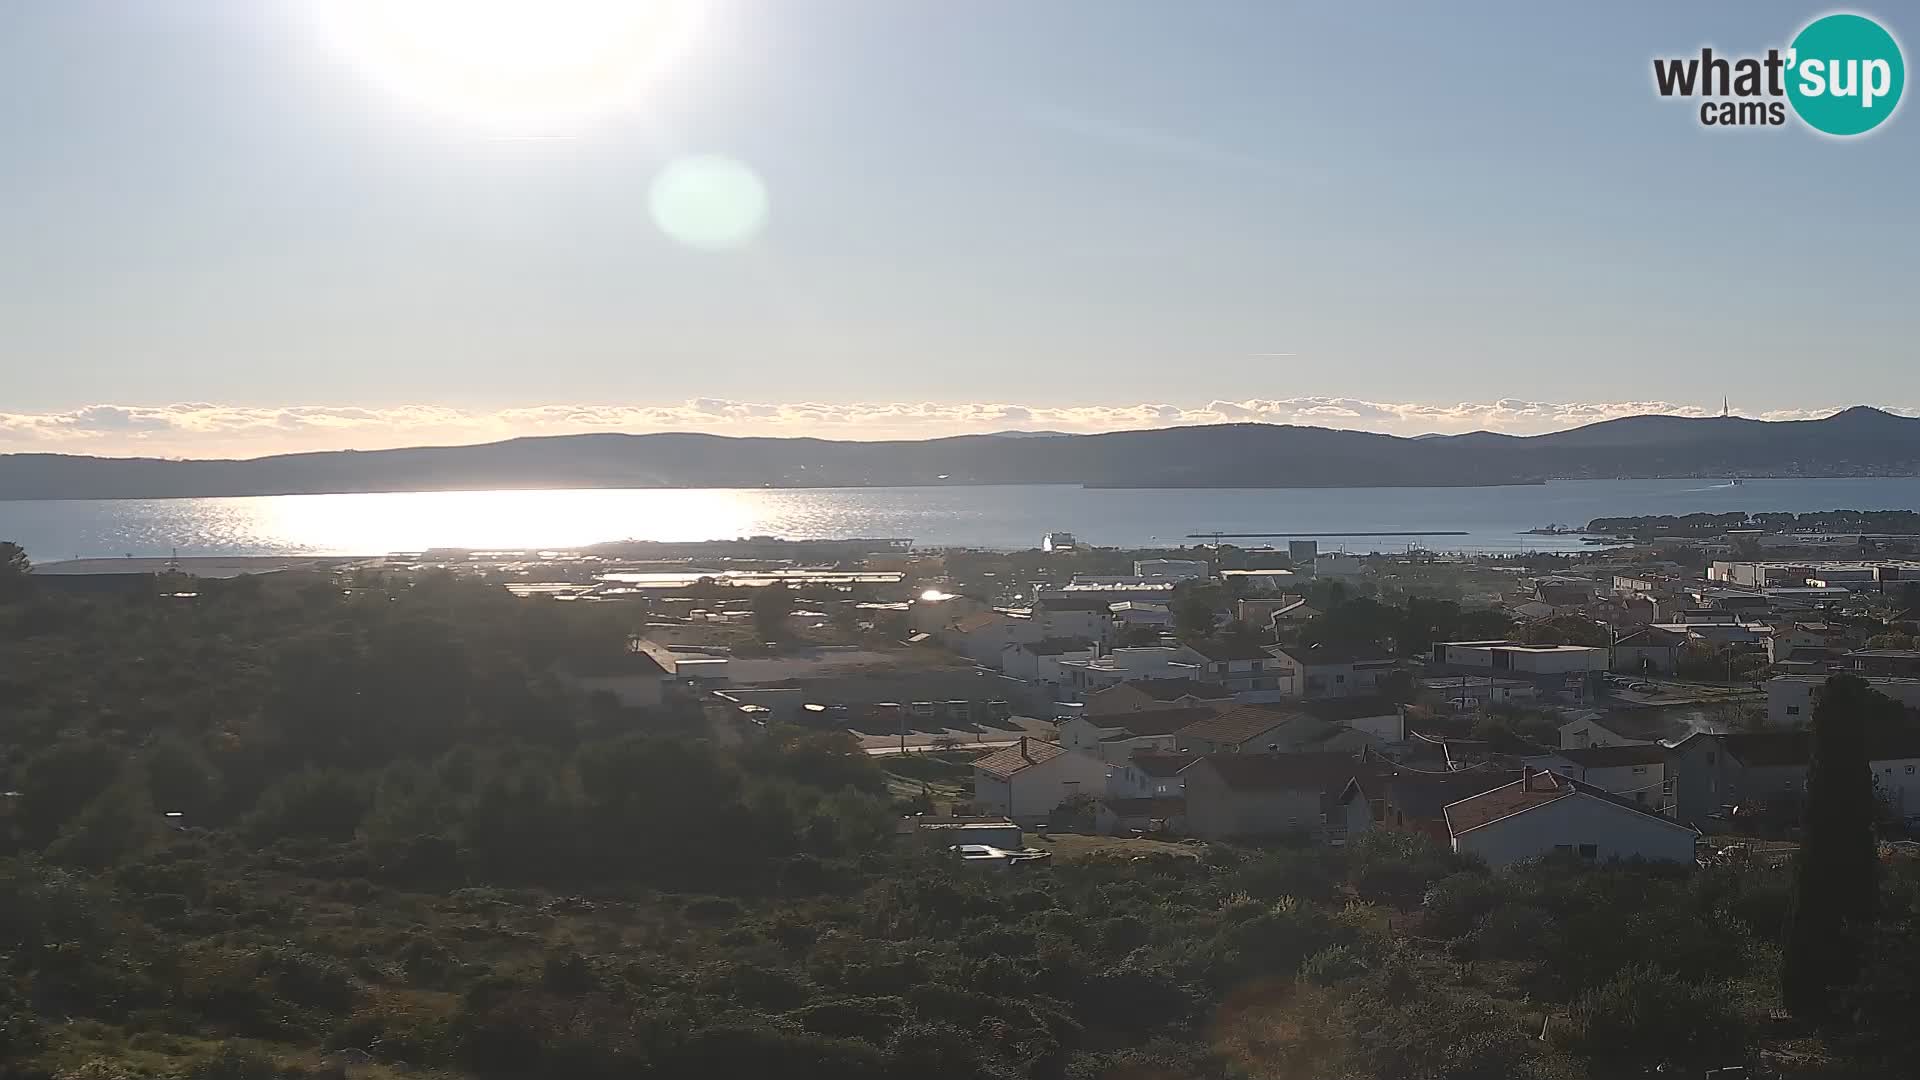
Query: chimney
[[1023, 750]]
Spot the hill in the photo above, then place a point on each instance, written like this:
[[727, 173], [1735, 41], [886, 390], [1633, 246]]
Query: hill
[[1860, 441]]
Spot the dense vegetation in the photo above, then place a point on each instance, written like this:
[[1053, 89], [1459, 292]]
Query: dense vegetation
[[401, 840], [1892, 522]]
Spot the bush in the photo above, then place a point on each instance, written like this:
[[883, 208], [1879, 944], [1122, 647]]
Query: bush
[[320, 804], [1647, 1015], [314, 982]]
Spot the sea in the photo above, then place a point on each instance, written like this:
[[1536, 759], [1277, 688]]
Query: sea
[[1460, 519]]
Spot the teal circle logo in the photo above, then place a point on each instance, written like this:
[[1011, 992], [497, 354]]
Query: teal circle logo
[[1845, 74]]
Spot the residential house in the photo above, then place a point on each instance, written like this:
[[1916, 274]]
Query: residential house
[[1415, 801], [1118, 737], [1648, 649], [1125, 817], [633, 677], [1141, 613], [1154, 775], [1170, 569], [1153, 694], [1883, 663], [1259, 582], [1565, 595], [1039, 661], [1740, 635], [1275, 613], [1133, 665], [1028, 781], [984, 635], [1717, 777], [1378, 717], [1602, 730], [1789, 638], [1637, 773], [1146, 793], [1089, 617], [1472, 691], [1533, 610], [1545, 814], [1244, 667], [1323, 671], [1791, 698], [1267, 795], [1521, 659], [1251, 729]]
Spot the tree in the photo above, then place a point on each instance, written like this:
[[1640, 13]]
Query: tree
[[1834, 887], [1567, 630], [772, 604], [14, 568], [1195, 612]]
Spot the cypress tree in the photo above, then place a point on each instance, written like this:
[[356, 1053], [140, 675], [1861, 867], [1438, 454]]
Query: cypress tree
[[1834, 887]]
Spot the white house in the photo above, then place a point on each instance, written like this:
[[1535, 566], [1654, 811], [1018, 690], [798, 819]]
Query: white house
[[1028, 781], [1545, 814], [1170, 569], [1791, 698], [1039, 662], [1648, 649], [1149, 776], [1596, 730], [1118, 737], [1637, 773], [1244, 667], [1324, 672], [1521, 659], [1268, 581], [1132, 665], [1131, 613], [1087, 617], [1146, 694]]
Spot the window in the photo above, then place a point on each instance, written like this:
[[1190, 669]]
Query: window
[[1909, 770], [1592, 851], [1793, 710], [1339, 678], [1639, 770]]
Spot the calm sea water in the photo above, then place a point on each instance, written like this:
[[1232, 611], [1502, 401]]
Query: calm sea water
[[1494, 518]]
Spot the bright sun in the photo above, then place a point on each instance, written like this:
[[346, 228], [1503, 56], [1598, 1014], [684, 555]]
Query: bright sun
[[514, 64]]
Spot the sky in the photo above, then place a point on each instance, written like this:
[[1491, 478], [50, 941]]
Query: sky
[[242, 227]]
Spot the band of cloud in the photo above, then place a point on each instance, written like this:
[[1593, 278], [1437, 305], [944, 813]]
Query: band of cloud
[[200, 429]]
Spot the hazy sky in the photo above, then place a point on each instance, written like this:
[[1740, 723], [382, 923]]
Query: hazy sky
[[223, 232]]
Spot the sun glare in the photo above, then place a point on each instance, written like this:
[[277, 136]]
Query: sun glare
[[515, 64]]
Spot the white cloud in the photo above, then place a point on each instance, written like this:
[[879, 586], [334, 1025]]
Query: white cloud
[[202, 429]]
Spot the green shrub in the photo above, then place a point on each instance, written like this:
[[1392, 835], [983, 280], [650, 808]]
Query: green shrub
[[1647, 1015]]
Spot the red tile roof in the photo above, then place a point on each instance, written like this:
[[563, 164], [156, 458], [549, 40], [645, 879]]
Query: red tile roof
[[1151, 721], [1236, 724], [1174, 689], [1608, 757], [1299, 772], [1533, 789], [977, 622], [1007, 761]]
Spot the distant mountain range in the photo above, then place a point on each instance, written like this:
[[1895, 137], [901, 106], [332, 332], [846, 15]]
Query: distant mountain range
[[1861, 441]]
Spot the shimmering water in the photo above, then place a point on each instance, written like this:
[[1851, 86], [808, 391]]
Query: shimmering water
[[1493, 518]]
